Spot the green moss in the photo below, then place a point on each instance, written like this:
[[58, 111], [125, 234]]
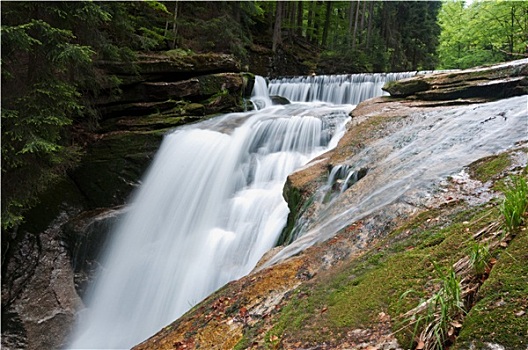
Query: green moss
[[406, 87], [293, 197], [112, 166], [354, 296], [487, 168], [497, 317]]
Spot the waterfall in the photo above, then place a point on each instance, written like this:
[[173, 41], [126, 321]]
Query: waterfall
[[337, 89], [208, 209]]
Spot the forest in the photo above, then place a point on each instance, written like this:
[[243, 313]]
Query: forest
[[51, 50]]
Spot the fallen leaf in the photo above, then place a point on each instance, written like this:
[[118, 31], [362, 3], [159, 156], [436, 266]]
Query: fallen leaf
[[243, 311], [456, 324], [450, 332], [520, 313], [420, 345], [503, 244]]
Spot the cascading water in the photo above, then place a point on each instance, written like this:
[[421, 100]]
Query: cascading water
[[427, 148], [210, 206], [337, 89]]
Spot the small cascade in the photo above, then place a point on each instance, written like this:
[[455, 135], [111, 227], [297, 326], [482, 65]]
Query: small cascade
[[337, 89], [342, 177], [260, 96]]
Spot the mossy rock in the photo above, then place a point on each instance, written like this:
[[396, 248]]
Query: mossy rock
[[406, 87], [113, 166], [501, 314], [486, 168], [170, 63], [215, 83], [279, 100]]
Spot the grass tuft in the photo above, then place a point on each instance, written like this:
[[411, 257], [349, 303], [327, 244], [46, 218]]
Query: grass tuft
[[515, 203], [479, 257]]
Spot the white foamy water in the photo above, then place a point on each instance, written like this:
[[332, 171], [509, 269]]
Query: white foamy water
[[210, 206], [337, 89], [428, 148], [211, 203]]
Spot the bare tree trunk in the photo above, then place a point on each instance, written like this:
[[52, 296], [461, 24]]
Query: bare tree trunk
[[235, 8], [369, 25], [291, 19], [309, 29], [350, 21], [300, 18], [362, 22], [277, 37], [317, 23], [355, 26], [174, 26], [327, 22]]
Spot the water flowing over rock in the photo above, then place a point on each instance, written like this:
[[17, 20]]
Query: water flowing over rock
[[401, 152], [338, 89], [65, 224], [196, 230], [210, 211]]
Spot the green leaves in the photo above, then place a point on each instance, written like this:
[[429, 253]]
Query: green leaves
[[481, 33]]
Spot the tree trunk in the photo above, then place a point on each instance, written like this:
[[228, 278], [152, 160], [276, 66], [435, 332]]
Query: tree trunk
[[277, 37], [235, 8], [317, 22], [309, 27], [300, 18], [327, 22], [174, 26], [362, 22], [369, 25], [291, 19], [351, 12], [355, 26], [512, 30]]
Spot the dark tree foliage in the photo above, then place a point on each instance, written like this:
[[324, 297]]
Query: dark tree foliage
[[374, 35], [49, 51], [49, 81]]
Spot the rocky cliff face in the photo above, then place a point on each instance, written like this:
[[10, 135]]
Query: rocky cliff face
[[362, 287], [49, 260]]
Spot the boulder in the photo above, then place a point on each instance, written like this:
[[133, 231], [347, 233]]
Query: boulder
[[494, 82], [113, 166], [279, 100]]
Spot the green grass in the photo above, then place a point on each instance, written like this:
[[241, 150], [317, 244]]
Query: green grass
[[479, 257], [435, 320], [515, 203]]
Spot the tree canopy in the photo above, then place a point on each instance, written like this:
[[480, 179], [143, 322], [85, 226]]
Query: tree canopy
[[482, 32]]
